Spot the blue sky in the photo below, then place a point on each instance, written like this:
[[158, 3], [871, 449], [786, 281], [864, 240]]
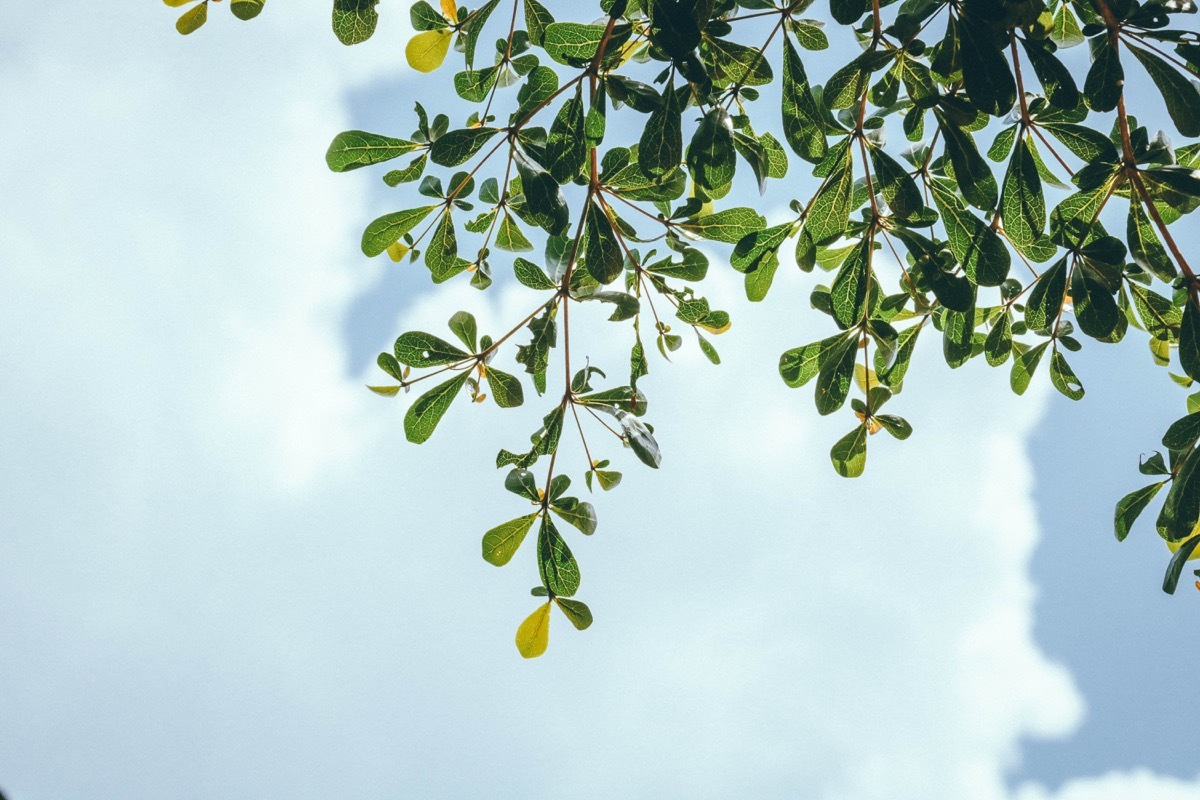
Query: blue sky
[[224, 573]]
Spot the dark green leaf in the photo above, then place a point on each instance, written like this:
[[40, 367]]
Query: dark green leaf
[[457, 147], [1131, 506], [1189, 341], [1180, 94], [354, 20], [566, 145], [556, 565], [660, 149], [605, 261], [576, 512], [578, 613]]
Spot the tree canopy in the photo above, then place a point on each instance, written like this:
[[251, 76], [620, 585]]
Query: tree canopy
[[970, 169]]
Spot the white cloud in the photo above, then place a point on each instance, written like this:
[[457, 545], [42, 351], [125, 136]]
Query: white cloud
[[225, 574]]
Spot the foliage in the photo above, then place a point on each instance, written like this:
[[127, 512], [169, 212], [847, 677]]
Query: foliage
[[982, 226]]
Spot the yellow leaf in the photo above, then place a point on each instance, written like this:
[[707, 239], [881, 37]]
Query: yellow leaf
[[450, 10], [865, 378], [1174, 546], [386, 391], [1161, 350], [717, 331], [397, 251], [534, 633], [178, 3], [705, 209], [427, 50]]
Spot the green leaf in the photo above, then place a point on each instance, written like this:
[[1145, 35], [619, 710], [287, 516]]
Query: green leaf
[[576, 512], [1022, 202], [758, 281], [729, 225], [847, 11], [572, 43], [531, 275], [660, 148], [566, 145], [407, 174], [474, 25], [640, 439], [578, 613], [1145, 248], [896, 185], [1102, 88], [547, 206], [1046, 299], [1065, 31], [441, 255], [537, 19], [1180, 94], [501, 543], [536, 355], [605, 261], [506, 388], [830, 212], [1055, 78], [474, 85], [803, 123], [675, 25], [420, 349], [1131, 506], [246, 9], [893, 376], [801, 364], [834, 376], [385, 231], [556, 564], [849, 454], [463, 325], [424, 415], [998, 344], [457, 147], [354, 20], [711, 156], [693, 267], [1063, 377], [987, 77], [974, 177], [1175, 566], [1088, 144], [1025, 363], [896, 426], [851, 287], [510, 237], [1183, 433], [424, 18], [193, 19], [732, 63], [1095, 309], [1189, 341], [522, 483]]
